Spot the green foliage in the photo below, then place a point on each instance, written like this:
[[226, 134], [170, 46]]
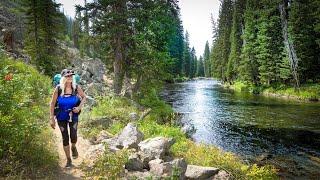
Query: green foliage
[[161, 112], [206, 59], [44, 26], [235, 39], [200, 68], [302, 18], [23, 99], [221, 47], [257, 48], [109, 165]]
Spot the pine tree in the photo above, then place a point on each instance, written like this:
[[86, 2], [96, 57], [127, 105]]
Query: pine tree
[[44, 26], [200, 68], [235, 39], [206, 57], [187, 56], [302, 31], [221, 48], [248, 67], [192, 63]]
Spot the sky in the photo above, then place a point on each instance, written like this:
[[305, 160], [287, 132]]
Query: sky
[[195, 15]]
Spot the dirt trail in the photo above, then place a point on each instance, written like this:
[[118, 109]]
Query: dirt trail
[[74, 172]]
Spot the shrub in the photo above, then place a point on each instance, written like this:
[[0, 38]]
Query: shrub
[[109, 165], [23, 105]]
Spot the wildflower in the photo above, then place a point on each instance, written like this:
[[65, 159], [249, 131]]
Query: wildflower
[[8, 77]]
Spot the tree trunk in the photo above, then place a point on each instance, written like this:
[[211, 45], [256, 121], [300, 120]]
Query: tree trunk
[[118, 66], [293, 59]]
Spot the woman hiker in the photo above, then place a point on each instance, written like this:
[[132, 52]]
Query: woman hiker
[[69, 98]]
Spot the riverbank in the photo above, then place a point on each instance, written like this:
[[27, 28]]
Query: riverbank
[[113, 113], [306, 92]]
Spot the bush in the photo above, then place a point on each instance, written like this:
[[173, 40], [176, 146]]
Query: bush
[[110, 165], [23, 105], [161, 112]]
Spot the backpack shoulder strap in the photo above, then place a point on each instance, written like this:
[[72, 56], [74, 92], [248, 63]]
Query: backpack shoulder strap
[[59, 90], [75, 92]]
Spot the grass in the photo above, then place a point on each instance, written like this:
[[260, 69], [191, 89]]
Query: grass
[[306, 92], [197, 154]]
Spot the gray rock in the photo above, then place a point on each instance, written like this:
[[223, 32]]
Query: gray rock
[[179, 165], [102, 136], [153, 148], [134, 163], [134, 116], [200, 172], [130, 136], [168, 169], [222, 175], [141, 175]]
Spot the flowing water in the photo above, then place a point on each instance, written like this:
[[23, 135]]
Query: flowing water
[[260, 129]]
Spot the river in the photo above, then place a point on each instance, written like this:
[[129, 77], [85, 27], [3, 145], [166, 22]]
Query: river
[[259, 129]]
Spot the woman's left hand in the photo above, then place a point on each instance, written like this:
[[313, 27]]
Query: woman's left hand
[[76, 110]]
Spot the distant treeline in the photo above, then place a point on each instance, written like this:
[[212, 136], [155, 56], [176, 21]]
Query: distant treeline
[[267, 42]]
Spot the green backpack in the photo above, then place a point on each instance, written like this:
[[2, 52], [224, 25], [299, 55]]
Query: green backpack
[[57, 77]]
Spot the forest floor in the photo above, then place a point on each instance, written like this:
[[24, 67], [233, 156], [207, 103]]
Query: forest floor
[[75, 171]]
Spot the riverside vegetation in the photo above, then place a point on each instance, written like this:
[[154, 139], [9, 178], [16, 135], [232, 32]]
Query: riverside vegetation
[[161, 122]]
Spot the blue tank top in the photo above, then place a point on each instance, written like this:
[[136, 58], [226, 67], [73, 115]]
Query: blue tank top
[[66, 104]]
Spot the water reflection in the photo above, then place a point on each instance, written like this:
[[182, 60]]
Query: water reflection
[[249, 125]]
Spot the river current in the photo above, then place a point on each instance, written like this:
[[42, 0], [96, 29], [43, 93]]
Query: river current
[[259, 129]]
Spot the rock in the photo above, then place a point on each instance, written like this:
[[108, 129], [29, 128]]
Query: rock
[[158, 167], [133, 116], [103, 135], [94, 89], [130, 136], [168, 169], [134, 163], [141, 175], [200, 172], [156, 147], [90, 102], [112, 143], [180, 165], [222, 175]]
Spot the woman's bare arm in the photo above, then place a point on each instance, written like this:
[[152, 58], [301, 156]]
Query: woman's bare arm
[[83, 97], [52, 105]]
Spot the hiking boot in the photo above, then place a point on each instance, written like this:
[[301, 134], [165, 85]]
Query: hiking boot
[[74, 152], [69, 163]]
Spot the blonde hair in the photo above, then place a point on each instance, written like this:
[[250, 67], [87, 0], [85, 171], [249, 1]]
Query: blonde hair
[[63, 82]]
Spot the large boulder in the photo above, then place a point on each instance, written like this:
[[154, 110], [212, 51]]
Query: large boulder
[[130, 137], [200, 172], [168, 169], [154, 148], [134, 163]]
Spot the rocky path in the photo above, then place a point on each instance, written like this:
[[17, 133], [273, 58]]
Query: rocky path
[[75, 171]]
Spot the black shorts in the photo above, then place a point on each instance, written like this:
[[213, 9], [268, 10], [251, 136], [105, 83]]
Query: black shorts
[[73, 127]]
